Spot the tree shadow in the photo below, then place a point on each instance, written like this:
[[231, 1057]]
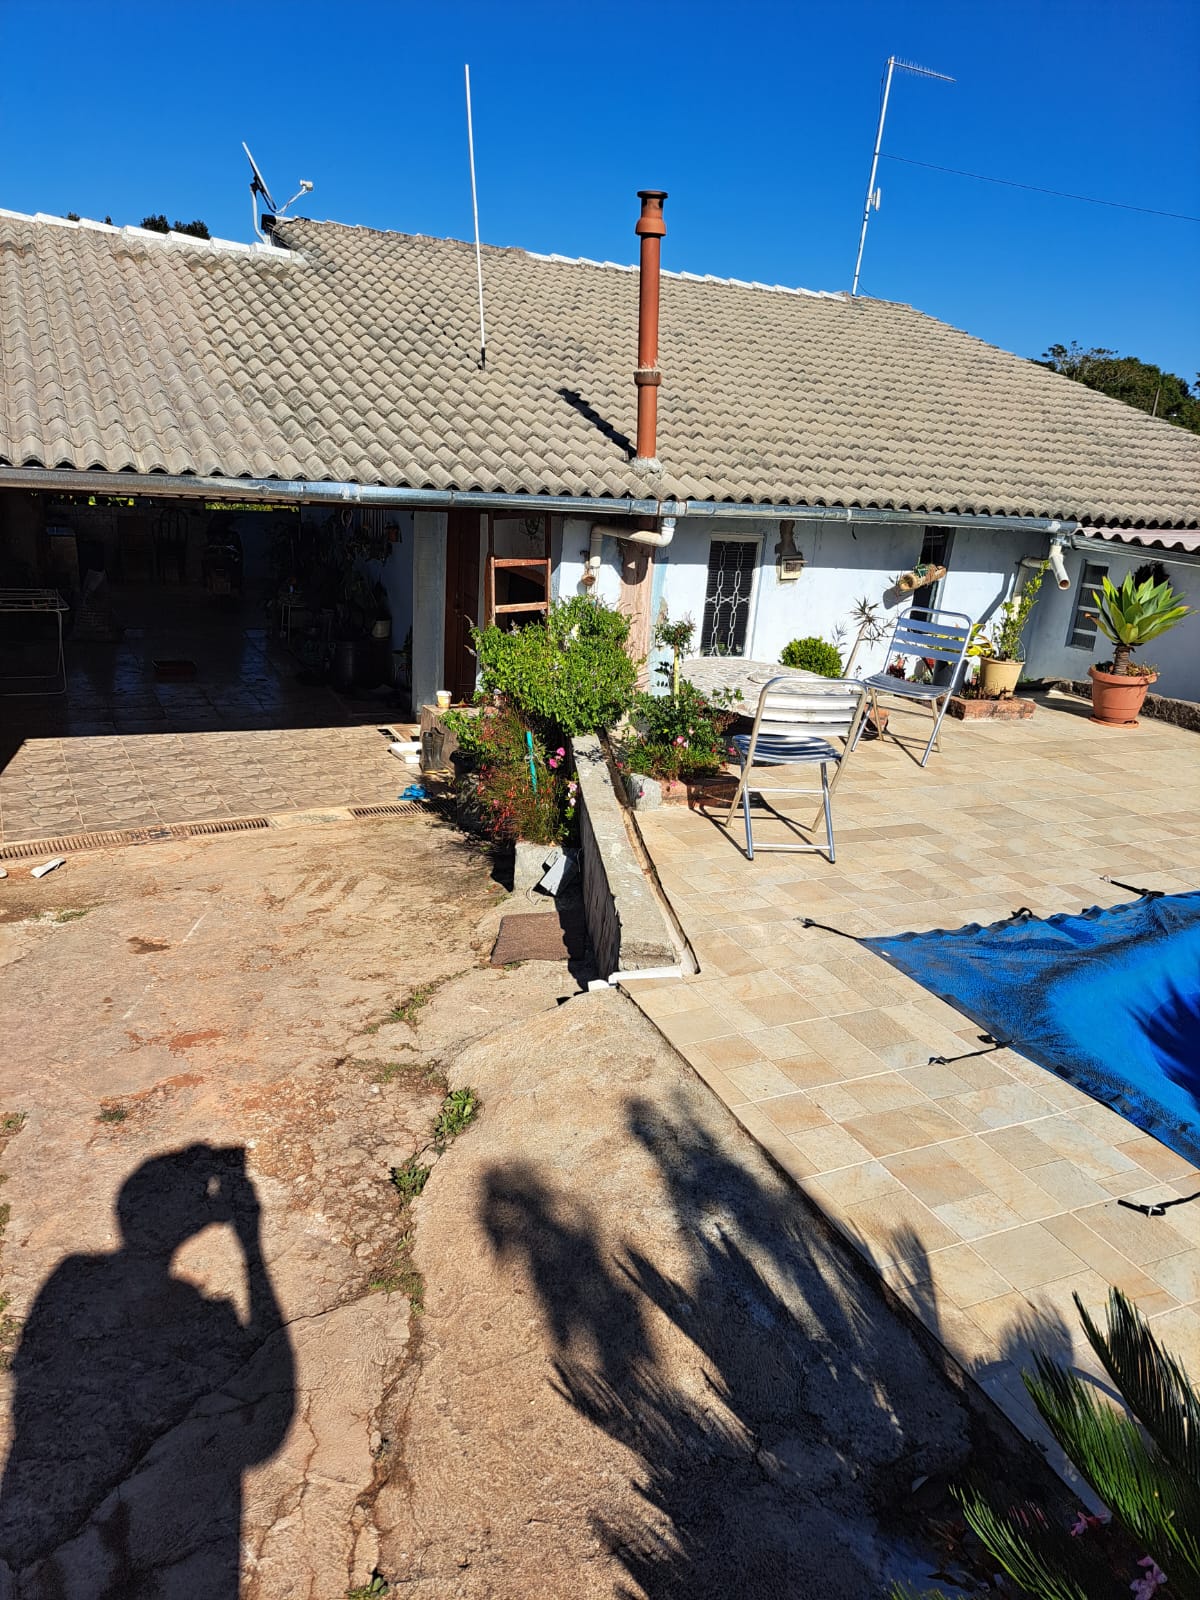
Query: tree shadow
[[1172, 1030], [140, 1401], [780, 1460]]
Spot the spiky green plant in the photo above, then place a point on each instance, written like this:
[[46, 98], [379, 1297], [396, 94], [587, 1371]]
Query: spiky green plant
[[1136, 613], [1144, 1465]]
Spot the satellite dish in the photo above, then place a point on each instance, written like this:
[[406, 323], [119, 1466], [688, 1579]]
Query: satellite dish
[[258, 184]]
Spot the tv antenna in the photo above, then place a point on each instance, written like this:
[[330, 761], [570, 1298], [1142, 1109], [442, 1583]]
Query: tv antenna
[[475, 209], [873, 193], [258, 186]]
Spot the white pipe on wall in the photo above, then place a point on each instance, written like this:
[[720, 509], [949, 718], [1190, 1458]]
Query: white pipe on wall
[[657, 538]]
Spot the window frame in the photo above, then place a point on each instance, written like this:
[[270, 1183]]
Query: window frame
[[738, 537]]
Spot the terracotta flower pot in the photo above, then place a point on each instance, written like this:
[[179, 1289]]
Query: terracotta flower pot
[[998, 677], [1117, 698]]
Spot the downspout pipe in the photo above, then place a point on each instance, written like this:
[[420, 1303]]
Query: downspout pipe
[[650, 230], [71, 480], [1060, 538]]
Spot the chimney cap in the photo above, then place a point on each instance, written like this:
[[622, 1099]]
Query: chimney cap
[[650, 224]]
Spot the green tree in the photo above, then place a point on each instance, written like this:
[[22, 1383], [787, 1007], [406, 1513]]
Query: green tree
[[158, 224], [1137, 383]]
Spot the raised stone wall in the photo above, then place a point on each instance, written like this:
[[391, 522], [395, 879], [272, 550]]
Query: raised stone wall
[[624, 921], [1182, 713]]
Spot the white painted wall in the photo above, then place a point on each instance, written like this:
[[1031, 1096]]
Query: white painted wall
[[1176, 654], [844, 562]]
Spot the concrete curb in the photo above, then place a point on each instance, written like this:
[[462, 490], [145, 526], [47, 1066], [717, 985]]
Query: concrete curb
[[624, 920]]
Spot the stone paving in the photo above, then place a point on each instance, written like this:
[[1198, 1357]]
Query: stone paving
[[985, 1190], [242, 737]]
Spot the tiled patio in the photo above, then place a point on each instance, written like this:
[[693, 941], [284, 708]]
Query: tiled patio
[[242, 736], [985, 1191], [82, 785]]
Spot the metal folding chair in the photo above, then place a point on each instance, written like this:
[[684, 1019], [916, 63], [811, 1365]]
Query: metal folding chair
[[796, 721], [940, 636]]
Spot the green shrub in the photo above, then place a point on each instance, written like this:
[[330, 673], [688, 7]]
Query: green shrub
[[570, 673], [676, 736], [506, 799], [1145, 1466], [814, 655]]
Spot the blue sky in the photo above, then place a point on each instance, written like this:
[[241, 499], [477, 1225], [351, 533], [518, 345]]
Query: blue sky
[[758, 118]]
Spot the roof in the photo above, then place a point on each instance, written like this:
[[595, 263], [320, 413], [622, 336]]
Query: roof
[[353, 356], [1177, 539]]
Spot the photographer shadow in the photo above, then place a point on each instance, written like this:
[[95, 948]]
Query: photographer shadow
[[140, 1401]]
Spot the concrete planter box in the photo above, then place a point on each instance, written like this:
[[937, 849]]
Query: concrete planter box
[[1008, 709], [624, 920]]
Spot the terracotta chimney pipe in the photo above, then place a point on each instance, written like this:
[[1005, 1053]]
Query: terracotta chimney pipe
[[650, 229]]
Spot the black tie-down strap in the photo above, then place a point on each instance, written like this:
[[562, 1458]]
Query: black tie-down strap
[[1160, 1206], [1145, 894], [991, 1043]]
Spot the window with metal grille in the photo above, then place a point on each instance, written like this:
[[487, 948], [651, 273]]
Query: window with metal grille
[[1083, 623], [731, 567]]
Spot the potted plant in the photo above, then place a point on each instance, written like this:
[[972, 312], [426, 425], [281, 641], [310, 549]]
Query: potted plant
[[1130, 616], [1001, 655]]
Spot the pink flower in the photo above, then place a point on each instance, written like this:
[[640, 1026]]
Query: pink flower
[[1083, 1522], [1143, 1588], [560, 751], [552, 763]]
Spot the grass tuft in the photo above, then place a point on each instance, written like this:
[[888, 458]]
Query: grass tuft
[[459, 1110], [410, 1178], [113, 1114]]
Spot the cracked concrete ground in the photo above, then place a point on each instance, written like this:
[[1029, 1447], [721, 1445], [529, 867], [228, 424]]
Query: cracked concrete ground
[[203, 1100], [640, 1368]]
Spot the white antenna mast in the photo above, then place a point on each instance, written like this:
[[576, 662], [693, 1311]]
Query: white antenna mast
[[475, 209], [872, 192]]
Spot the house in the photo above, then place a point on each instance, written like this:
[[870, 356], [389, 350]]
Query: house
[[781, 454]]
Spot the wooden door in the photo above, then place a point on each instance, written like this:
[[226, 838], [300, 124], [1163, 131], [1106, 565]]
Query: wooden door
[[462, 601]]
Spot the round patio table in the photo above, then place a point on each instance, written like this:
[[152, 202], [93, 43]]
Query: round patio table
[[712, 674]]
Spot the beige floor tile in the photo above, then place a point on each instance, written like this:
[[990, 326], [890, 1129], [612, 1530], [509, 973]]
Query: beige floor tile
[[896, 1227], [1179, 1275], [731, 1050], [1020, 1146], [933, 1176], [693, 1026], [962, 1276], [760, 1080], [1141, 1239], [1156, 1158], [888, 1132], [1179, 1333], [998, 1107], [795, 1113], [848, 1186], [830, 1148], [1066, 1185], [810, 1072], [776, 1143], [1029, 1255], [979, 1215]]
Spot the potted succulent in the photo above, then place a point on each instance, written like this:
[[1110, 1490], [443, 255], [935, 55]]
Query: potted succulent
[[1001, 654], [1130, 616]]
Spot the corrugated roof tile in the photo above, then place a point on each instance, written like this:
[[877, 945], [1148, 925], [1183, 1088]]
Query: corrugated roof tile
[[353, 355]]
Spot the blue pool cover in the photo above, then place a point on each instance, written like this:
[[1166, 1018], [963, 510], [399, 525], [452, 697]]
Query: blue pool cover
[[1108, 1000]]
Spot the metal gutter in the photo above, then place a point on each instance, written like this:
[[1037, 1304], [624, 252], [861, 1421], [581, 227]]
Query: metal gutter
[[71, 481]]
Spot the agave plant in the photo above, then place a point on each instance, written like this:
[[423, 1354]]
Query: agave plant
[[1145, 1466], [1136, 613]]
